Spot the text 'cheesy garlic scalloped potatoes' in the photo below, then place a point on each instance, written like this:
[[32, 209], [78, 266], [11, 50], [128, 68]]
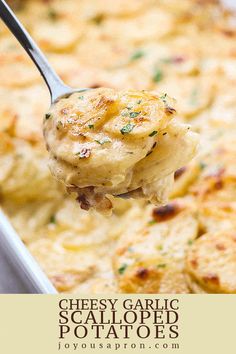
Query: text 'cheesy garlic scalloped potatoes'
[[103, 142]]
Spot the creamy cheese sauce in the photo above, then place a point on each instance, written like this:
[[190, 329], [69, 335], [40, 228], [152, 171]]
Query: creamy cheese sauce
[[103, 142]]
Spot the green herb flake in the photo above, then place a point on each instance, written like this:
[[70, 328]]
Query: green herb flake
[[166, 60], [137, 55], [48, 115], [193, 99], [134, 114], [122, 269], [91, 126], [163, 97], [81, 97], [52, 14], [190, 242], [202, 165], [153, 133], [52, 219], [139, 101], [158, 75], [161, 265], [103, 141], [98, 19], [152, 222], [127, 128]]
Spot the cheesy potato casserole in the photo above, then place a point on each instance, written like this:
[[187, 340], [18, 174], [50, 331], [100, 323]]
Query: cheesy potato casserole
[[184, 48], [104, 142]]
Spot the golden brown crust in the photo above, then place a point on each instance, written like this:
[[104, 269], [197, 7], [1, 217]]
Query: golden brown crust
[[211, 263], [150, 254], [104, 141]]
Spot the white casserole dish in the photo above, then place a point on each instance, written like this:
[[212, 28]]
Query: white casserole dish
[[20, 273]]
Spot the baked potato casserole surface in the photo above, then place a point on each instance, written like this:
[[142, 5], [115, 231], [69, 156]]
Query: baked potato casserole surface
[[184, 48]]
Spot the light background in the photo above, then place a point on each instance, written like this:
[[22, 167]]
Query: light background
[[29, 325]]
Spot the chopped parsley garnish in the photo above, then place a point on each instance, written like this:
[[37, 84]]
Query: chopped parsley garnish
[[163, 97], [47, 115], [153, 133], [202, 165], [81, 97], [127, 128], [190, 242], [152, 222], [134, 114], [139, 101], [193, 99], [52, 14], [158, 75], [137, 55], [103, 141], [166, 60], [124, 114], [91, 126], [122, 269], [52, 219], [161, 265], [98, 19]]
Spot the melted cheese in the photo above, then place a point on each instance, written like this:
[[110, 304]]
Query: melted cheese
[[106, 142]]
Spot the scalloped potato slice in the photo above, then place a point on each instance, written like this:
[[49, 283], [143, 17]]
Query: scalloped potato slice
[[105, 142], [56, 35], [211, 263], [117, 8], [65, 269], [21, 119], [193, 95], [217, 215], [16, 70], [24, 173], [148, 25], [150, 254]]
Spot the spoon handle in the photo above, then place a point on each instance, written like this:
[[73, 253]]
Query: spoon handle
[[56, 87]]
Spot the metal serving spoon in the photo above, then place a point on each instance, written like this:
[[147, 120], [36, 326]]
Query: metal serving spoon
[[55, 85]]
